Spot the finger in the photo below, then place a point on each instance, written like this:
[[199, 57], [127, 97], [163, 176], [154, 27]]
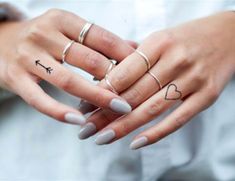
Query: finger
[[147, 111], [97, 38], [135, 95], [134, 66], [133, 44], [38, 99], [78, 55], [50, 70], [192, 106], [162, 74]]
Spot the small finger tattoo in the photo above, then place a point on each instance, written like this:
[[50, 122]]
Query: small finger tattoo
[[172, 93], [48, 69]]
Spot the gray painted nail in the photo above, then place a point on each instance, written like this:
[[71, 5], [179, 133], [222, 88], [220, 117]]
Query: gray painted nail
[[105, 137], [120, 106], [87, 130], [139, 142], [74, 118]]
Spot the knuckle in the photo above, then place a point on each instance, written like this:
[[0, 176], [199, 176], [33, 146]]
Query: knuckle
[[100, 98], [36, 32], [133, 96], [182, 60], [65, 82], [9, 76], [213, 91], [198, 75], [93, 61], [54, 13], [124, 128], [166, 38], [120, 80], [22, 53], [155, 108], [107, 39], [160, 133]]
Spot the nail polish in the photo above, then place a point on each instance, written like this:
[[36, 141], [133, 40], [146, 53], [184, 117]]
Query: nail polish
[[120, 106], [139, 142], [74, 118], [87, 130], [105, 137]]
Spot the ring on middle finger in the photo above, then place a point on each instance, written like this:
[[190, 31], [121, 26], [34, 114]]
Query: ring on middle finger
[[106, 78], [146, 60], [156, 79], [84, 32], [111, 66], [66, 50]]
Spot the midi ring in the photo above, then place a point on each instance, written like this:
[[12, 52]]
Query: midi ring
[[110, 85], [111, 66], [84, 32], [145, 58], [155, 78], [66, 50]]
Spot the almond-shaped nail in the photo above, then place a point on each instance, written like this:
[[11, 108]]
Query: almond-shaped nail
[[105, 137], [120, 106], [139, 142], [87, 130], [74, 118]]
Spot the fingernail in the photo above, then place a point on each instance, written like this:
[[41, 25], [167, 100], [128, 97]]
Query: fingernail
[[87, 130], [120, 106], [86, 107], [105, 137], [74, 118], [139, 142]]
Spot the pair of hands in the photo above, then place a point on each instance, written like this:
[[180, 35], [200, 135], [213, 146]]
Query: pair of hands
[[193, 63]]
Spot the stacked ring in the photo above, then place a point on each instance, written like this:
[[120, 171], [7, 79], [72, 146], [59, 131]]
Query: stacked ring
[[155, 78], [84, 32], [109, 84], [66, 50], [145, 58]]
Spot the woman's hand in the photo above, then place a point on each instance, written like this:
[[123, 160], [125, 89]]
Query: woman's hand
[[32, 51], [193, 62]]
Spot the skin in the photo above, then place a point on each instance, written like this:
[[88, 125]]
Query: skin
[[198, 57], [44, 39]]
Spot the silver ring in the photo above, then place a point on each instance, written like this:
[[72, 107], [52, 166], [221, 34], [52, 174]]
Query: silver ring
[[84, 32], [110, 85], [145, 58], [157, 80], [66, 49], [111, 66]]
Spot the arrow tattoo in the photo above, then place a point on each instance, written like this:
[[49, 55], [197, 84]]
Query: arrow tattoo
[[48, 69]]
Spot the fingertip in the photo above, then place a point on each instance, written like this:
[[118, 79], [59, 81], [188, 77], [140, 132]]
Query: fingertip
[[74, 118], [120, 106], [139, 143]]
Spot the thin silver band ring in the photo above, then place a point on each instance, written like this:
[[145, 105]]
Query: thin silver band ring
[[145, 58], [66, 50], [155, 78], [84, 32], [111, 66], [109, 84]]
